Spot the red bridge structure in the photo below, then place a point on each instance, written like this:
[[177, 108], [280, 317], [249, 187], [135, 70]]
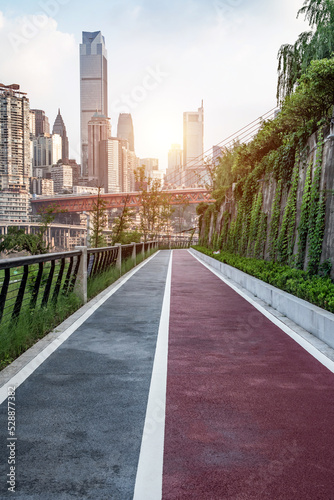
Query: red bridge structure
[[118, 200]]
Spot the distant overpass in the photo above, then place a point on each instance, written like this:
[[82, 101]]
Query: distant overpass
[[84, 203]]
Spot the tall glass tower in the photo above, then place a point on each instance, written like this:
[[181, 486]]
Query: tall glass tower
[[125, 129], [93, 85]]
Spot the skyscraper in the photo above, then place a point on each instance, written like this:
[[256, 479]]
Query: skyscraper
[[173, 172], [125, 129], [41, 125], [111, 164], [193, 144], [15, 165], [99, 129], [93, 85], [47, 151], [60, 129]]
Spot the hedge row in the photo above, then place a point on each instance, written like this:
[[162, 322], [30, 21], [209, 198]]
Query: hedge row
[[313, 288]]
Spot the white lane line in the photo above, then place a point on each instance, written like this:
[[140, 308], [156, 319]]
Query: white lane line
[[148, 484], [300, 340], [23, 374]]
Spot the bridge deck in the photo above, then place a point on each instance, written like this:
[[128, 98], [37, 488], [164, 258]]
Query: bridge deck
[[247, 413]]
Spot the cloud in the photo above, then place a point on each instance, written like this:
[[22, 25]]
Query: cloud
[[44, 62], [223, 51]]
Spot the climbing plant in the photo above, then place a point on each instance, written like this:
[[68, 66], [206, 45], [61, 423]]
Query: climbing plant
[[304, 218], [275, 220], [261, 237], [285, 242], [254, 223], [224, 227], [316, 213], [317, 236]]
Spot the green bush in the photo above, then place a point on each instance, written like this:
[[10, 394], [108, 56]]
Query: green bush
[[315, 289]]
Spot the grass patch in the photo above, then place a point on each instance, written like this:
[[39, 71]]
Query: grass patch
[[17, 336], [315, 289]]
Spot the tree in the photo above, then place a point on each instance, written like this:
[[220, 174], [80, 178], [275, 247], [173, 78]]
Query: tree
[[155, 210], [294, 60], [47, 216], [16, 240], [99, 221], [180, 211], [121, 226]]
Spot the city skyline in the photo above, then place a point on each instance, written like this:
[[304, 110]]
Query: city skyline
[[165, 59]]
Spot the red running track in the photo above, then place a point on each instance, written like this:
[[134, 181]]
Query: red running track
[[249, 413]]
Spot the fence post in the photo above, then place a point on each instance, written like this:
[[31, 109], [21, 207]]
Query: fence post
[[80, 288], [119, 256], [134, 253]]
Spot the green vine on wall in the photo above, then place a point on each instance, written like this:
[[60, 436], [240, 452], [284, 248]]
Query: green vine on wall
[[261, 238], [254, 223], [225, 227], [275, 220], [316, 214], [285, 242], [317, 237], [304, 218]]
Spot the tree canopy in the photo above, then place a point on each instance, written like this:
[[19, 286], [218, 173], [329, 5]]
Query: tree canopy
[[294, 60]]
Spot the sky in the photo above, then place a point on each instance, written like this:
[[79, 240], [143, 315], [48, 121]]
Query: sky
[[164, 57]]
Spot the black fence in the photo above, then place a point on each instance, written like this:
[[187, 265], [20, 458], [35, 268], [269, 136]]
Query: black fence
[[33, 281], [29, 283]]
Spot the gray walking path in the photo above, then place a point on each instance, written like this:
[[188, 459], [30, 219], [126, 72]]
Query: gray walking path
[[80, 415]]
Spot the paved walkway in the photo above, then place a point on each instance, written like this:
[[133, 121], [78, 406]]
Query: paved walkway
[[247, 412]]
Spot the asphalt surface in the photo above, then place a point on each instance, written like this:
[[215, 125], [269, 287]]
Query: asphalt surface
[[249, 413], [80, 415]]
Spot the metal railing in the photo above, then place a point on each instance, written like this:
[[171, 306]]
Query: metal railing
[[170, 242], [30, 283]]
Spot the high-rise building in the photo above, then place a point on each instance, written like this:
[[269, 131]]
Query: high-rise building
[[125, 129], [76, 170], [47, 151], [111, 164], [173, 172], [41, 125], [150, 165], [93, 85], [15, 165], [43, 187], [193, 144], [32, 124], [60, 129], [99, 129], [62, 177]]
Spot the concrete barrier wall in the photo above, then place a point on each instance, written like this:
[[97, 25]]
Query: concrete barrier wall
[[310, 317]]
